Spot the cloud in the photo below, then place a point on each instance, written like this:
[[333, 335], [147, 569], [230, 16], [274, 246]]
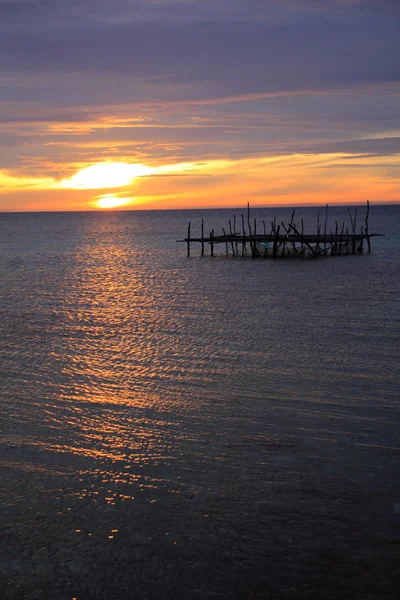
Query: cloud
[[293, 179], [120, 11], [356, 148], [219, 56], [12, 182], [163, 82]]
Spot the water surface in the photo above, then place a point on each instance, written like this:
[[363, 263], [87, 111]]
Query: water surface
[[197, 394]]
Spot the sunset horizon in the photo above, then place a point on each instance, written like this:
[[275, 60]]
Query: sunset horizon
[[238, 207], [172, 105], [121, 185]]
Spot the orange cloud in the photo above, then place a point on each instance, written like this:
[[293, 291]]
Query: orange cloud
[[289, 180]]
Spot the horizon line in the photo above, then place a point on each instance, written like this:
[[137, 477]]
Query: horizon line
[[114, 210]]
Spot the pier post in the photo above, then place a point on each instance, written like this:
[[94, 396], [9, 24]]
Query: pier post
[[234, 231], [256, 252], [318, 232], [265, 242], [226, 242], [188, 240], [275, 246], [361, 244], [336, 234], [244, 238], [249, 226], [353, 226], [292, 223], [366, 228], [232, 243], [326, 221], [341, 239]]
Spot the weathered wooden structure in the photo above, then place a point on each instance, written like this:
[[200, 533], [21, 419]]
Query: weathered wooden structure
[[286, 239]]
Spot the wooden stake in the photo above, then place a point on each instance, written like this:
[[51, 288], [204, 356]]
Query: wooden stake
[[226, 243], [250, 233], [265, 242], [366, 228], [336, 233], [275, 246], [326, 220], [188, 240], [291, 223], [256, 252], [353, 227], [244, 238], [286, 236], [303, 239], [202, 237], [234, 231], [232, 244], [341, 238], [351, 219], [361, 244]]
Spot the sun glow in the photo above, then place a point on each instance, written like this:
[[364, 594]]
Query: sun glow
[[111, 201], [105, 175]]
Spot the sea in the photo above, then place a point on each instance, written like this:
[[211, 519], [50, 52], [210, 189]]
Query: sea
[[197, 427]]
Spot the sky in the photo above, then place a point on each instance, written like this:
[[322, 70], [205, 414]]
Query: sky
[[155, 104]]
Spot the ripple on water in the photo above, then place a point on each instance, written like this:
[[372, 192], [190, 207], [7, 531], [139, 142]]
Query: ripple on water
[[121, 353]]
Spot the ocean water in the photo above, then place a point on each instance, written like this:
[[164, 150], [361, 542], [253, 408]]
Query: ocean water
[[170, 396]]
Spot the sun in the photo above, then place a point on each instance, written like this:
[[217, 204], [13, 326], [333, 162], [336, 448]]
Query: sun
[[105, 175], [111, 201]]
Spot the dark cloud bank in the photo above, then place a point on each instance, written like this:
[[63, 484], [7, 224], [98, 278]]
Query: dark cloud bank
[[222, 47]]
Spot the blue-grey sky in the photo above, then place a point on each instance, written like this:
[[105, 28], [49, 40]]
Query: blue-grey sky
[[218, 87]]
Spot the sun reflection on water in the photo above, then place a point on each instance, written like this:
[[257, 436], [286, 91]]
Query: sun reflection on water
[[119, 406]]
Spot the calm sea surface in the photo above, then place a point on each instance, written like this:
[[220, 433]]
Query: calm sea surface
[[128, 369]]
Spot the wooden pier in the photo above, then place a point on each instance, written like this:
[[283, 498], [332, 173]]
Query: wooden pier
[[288, 239]]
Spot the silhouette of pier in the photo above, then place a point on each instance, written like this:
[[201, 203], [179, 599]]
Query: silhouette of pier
[[280, 239]]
